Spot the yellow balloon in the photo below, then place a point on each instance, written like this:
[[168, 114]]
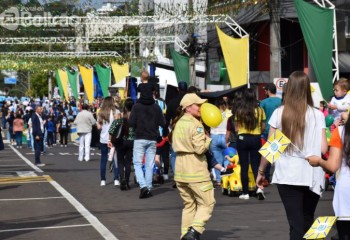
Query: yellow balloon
[[210, 115]]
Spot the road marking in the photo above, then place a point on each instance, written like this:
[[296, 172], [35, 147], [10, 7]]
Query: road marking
[[65, 154], [84, 212], [29, 179], [26, 174], [26, 199], [26, 160], [38, 228], [99, 227]]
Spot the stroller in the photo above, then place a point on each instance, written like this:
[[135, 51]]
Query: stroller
[[158, 178]]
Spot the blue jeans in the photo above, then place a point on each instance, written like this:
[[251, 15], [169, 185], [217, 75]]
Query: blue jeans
[[104, 158], [32, 141], [141, 148], [218, 146], [172, 159], [3, 122], [18, 137], [45, 141]]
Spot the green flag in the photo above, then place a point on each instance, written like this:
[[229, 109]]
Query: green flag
[[104, 77], [181, 66], [136, 68], [317, 27], [58, 79], [72, 78]]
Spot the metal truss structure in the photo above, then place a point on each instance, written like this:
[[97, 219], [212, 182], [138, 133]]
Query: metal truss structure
[[63, 54], [157, 22], [329, 5], [113, 22], [73, 21]]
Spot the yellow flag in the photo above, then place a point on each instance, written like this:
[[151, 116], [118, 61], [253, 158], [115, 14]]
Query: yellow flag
[[235, 52], [320, 228], [64, 81], [87, 74], [275, 145], [120, 71]]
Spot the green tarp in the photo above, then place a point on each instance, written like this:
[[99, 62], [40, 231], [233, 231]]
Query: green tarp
[[104, 77], [181, 67], [317, 27], [72, 78]]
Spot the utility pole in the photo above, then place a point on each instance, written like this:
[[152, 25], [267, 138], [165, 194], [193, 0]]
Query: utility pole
[[275, 41], [28, 77], [50, 84], [192, 59]]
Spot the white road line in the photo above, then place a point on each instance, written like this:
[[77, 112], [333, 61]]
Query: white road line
[[26, 174], [39, 228], [80, 208], [28, 199], [84, 212], [26, 160]]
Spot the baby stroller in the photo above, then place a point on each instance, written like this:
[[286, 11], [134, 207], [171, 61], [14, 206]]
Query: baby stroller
[[158, 178]]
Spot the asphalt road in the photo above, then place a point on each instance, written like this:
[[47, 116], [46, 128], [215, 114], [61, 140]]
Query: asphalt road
[[64, 200]]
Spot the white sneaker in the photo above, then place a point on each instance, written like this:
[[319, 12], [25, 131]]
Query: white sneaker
[[244, 196], [116, 183], [260, 194], [103, 183], [166, 177]]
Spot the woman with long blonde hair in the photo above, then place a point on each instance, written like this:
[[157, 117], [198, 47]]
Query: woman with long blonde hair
[[299, 184], [105, 117]]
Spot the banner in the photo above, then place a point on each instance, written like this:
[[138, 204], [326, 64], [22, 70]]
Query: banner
[[87, 75], [73, 78], [235, 51], [58, 79], [120, 72], [136, 68], [317, 27], [104, 77], [64, 83], [181, 66]]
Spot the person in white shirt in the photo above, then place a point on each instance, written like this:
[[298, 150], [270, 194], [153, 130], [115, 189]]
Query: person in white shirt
[[106, 115], [84, 122], [340, 102], [299, 184], [339, 160]]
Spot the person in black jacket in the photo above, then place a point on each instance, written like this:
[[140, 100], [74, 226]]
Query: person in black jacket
[[38, 134], [146, 119]]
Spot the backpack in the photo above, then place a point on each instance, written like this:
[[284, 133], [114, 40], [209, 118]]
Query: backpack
[[117, 130]]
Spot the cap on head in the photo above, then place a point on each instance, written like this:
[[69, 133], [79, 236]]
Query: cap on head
[[182, 86], [191, 98], [270, 87]]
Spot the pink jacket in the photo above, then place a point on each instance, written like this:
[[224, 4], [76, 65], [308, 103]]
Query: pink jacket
[[18, 125]]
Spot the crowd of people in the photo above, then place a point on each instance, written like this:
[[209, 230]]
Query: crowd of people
[[171, 135]]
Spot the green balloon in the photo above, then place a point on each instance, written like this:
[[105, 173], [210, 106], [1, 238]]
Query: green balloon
[[329, 120]]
